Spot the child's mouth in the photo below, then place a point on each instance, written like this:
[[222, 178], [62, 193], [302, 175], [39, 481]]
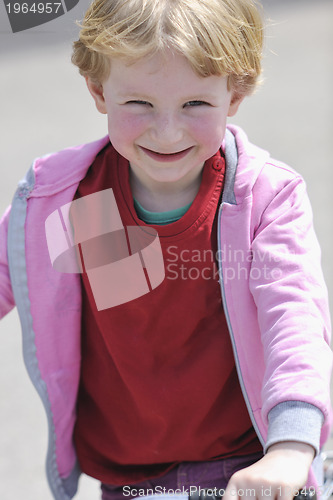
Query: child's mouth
[[166, 157]]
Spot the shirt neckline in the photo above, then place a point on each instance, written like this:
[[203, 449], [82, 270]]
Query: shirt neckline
[[160, 218], [209, 192]]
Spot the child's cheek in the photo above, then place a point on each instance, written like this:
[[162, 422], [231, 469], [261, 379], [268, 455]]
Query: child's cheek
[[127, 126], [209, 132]]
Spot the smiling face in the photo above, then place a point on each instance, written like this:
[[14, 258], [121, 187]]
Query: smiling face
[[164, 118]]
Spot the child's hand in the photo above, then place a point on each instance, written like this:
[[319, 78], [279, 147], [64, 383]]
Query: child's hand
[[277, 476]]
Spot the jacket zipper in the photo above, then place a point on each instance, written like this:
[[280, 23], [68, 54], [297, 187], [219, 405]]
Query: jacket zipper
[[17, 266], [233, 343]]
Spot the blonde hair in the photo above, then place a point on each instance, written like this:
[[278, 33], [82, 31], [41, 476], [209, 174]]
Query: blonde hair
[[218, 37]]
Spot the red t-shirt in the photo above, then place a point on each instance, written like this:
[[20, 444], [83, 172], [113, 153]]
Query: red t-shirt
[[158, 383]]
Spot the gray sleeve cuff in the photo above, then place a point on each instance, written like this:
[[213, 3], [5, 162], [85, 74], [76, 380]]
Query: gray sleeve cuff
[[294, 421]]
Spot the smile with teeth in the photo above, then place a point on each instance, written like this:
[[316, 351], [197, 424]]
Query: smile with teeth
[[166, 156]]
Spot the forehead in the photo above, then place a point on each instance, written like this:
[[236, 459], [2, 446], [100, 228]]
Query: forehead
[[167, 72]]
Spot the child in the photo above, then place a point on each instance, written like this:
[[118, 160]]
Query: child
[[210, 378]]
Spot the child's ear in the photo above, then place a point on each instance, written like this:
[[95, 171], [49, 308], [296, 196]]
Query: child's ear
[[96, 90], [234, 104]]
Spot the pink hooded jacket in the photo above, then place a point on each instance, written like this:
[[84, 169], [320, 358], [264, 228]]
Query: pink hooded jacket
[[273, 293]]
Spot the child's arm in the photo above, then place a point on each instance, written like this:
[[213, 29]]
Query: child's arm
[[278, 475], [294, 321]]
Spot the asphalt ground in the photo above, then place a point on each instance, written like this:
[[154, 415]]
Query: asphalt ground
[[44, 107]]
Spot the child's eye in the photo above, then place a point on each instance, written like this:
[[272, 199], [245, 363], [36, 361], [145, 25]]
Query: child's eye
[[195, 103], [144, 103]]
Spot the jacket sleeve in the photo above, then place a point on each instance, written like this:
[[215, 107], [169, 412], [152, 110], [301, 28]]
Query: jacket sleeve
[[291, 298], [295, 421], [6, 294]]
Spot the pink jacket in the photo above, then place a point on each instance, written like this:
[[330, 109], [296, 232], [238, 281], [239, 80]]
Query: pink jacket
[[272, 287]]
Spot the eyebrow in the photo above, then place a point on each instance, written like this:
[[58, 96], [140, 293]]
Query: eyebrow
[[195, 97], [134, 94]]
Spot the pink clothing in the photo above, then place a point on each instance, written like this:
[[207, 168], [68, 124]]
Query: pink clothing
[[271, 283]]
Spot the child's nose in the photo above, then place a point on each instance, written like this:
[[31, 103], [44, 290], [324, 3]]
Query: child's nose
[[167, 129]]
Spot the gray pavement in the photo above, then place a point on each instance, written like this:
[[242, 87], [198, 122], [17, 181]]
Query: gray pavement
[[44, 106]]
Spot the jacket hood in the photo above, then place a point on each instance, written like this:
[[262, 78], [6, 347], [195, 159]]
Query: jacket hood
[[251, 161], [52, 173], [55, 172]]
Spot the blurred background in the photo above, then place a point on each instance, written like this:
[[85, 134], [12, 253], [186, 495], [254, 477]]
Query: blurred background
[[45, 106]]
